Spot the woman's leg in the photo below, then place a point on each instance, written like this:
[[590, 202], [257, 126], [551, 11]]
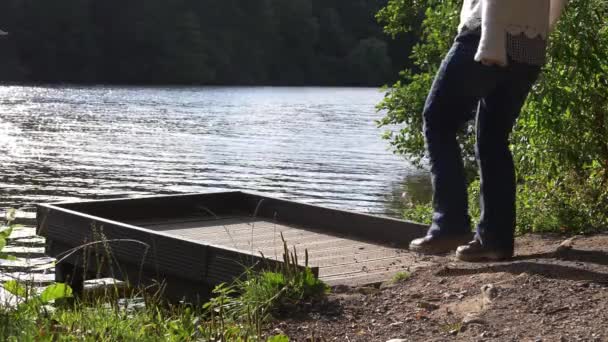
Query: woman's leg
[[459, 84], [497, 114]]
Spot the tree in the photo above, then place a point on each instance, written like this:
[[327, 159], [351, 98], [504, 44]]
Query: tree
[[369, 61], [295, 42]]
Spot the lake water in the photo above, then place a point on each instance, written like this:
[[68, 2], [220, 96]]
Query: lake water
[[316, 145]]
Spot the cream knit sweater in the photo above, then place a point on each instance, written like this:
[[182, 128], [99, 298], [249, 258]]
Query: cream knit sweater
[[498, 17]]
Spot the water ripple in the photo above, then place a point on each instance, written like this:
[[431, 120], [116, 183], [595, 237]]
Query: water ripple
[[317, 145]]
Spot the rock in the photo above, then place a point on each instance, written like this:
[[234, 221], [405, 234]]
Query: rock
[[428, 306], [566, 245], [473, 319], [340, 289], [397, 340], [367, 290], [489, 292], [454, 332], [387, 285]]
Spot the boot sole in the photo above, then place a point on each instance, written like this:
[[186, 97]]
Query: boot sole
[[483, 258], [443, 247]]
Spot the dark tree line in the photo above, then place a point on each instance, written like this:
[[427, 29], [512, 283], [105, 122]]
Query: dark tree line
[[279, 42]]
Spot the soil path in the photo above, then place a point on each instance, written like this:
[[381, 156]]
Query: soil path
[[554, 290]]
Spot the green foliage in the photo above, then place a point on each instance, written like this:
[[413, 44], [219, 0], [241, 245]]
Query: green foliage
[[48, 294], [400, 277], [15, 288], [100, 322], [238, 312], [331, 42], [369, 61], [421, 213], [6, 231], [404, 101], [559, 143], [251, 303], [278, 338], [55, 291]]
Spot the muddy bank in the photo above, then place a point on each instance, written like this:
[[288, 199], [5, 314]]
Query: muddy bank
[[548, 293]]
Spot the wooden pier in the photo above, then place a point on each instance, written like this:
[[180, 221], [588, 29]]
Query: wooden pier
[[194, 242]]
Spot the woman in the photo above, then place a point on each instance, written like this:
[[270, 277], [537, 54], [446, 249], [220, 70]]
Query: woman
[[491, 67]]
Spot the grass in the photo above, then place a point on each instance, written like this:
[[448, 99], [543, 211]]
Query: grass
[[237, 312], [5, 232], [400, 277]]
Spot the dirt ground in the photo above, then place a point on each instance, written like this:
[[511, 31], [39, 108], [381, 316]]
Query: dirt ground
[[554, 290]]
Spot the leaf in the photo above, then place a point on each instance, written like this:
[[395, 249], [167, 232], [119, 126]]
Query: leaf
[[6, 232], [278, 338], [56, 291], [5, 256], [15, 288]]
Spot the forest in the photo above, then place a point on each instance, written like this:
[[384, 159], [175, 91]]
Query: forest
[[206, 42]]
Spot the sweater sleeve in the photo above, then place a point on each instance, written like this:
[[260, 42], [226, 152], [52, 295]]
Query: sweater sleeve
[[557, 7], [492, 45]]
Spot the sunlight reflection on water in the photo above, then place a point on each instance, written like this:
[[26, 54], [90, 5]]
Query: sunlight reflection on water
[[317, 145]]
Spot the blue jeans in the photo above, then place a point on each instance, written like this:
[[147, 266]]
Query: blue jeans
[[497, 94]]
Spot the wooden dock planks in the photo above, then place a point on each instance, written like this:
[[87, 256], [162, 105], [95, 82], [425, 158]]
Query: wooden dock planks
[[341, 260]]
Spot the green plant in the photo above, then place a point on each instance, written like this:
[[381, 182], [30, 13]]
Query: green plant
[[400, 277], [278, 338], [251, 302], [237, 312], [47, 295], [421, 213], [451, 327], [5, 232]]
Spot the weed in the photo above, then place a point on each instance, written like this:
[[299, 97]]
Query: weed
[[452, 327], [400, 277], [5, 231], [252, 302], [237, 312]]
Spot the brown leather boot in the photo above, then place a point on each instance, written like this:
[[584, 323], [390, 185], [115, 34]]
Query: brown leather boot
[[440, 244], [474, 251]]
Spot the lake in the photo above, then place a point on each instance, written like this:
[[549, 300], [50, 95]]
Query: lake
[[315, 145]]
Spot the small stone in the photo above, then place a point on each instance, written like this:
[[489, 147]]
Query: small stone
[[397, 340], [340, 289], [489, 293], [566, 245], [428, 306], [367, 290], [454, 332], [473, 319]]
